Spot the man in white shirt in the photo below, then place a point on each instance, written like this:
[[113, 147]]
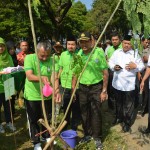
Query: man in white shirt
[[125, 63], [146, 76]]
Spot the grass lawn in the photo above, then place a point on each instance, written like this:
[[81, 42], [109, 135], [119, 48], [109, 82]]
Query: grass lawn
[[20, 139]]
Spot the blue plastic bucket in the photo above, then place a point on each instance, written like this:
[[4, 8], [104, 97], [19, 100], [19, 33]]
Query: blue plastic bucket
[[69, 137]]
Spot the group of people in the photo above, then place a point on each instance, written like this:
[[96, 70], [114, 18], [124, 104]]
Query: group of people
[[109, 75]]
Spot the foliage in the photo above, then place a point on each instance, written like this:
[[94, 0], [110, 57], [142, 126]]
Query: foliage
[[77, 65], [135, 8], [14, 22], [100, 13], [75, 19], [53, 19]]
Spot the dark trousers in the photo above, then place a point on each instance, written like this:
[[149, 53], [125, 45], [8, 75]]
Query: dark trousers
[[126, 107], [111, 91], [74, 109], [13, 103], [34, 113], [145, 95], [89, 98], [149, 111], [6, 108]]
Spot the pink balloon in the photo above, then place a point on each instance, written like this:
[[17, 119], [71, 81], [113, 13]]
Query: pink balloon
[[47, 90]]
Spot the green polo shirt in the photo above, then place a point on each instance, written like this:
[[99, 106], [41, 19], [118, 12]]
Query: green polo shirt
[[57, 58], [1, 79], [93, 72], [65, 62], [32, 89], [111, 50]]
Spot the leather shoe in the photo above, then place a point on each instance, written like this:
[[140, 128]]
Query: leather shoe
[[116, 121], [146, 131], [126, 128]]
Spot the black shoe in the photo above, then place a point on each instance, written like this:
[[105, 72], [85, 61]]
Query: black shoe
[[126, 128], [146, 131], [85, 139], [116, 121], [98, 144]]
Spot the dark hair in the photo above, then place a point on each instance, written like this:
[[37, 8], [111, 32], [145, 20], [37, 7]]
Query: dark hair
[[143, 38], [113, 34], [10, 45]]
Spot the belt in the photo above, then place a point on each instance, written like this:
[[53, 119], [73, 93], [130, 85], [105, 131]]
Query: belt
[[90, 85]]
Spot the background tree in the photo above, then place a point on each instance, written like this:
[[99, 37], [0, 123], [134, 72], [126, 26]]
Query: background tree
[[137, 12], [100, 13], [14, 23], [74, 22]]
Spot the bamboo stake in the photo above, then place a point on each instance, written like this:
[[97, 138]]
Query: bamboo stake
[[55, 135], [88, 62], [53, 98], [38, 65]]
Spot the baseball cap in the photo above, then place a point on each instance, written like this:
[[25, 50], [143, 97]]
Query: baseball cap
[[58, 44], [85, 36]]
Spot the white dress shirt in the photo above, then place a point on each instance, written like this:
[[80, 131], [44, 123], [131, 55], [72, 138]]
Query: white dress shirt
[[124, 80], [148, 65]]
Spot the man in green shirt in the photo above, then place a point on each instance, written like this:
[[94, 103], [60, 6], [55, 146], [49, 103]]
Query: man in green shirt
[[92, 90], [66, 73], [116, 44], [32, 92]]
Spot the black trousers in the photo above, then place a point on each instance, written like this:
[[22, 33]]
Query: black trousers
[[149, 111], [111, 91], [89, 98], [34, 113], [74, 109], [126, 106], [145, 95], [6, 106]]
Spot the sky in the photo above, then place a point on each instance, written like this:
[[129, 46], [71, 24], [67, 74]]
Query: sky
[[88, 3]]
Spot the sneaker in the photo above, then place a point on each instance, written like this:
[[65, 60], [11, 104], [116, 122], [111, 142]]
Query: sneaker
[[2, 129], [37, 146], [98, 144], [48, 139], [11, 127], [85, 139]]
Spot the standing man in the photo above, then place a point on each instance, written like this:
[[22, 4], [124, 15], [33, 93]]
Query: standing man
[[24, 46], [145, 94], [32, 92], [92, 90], [66, 73], [125, 63], [116, 44], [142, 86], [58, 48]]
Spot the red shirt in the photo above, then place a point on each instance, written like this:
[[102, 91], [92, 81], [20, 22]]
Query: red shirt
[[21, 56]]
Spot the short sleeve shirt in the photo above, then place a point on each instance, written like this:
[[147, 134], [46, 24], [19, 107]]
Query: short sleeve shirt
[[65, 62], [111, 50], [94, 70], [32, 89]]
